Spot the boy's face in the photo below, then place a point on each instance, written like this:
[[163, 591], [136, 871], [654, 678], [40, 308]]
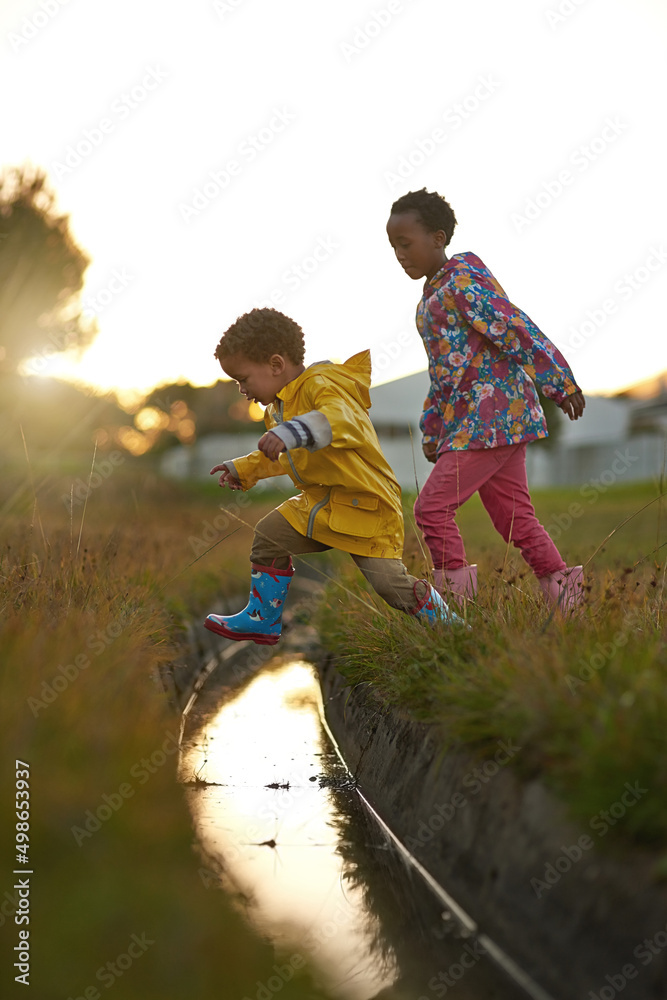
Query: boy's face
[[259, 381], [421, 254]]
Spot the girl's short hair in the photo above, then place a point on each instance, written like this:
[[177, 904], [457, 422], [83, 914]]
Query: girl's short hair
[[261, 333], [434, 212]]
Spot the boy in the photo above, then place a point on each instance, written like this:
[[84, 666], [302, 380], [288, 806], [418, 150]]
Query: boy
[[320, 434]]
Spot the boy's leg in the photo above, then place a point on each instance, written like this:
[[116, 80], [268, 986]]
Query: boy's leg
[[275, 540], [271, 573], [456, 476], [390, 579], [506, 498]]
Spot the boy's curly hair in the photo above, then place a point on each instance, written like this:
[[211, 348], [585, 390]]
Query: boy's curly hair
[[261, 333], [434, 212]]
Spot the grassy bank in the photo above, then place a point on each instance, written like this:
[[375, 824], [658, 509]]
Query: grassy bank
[[585, 699], [92, 598]]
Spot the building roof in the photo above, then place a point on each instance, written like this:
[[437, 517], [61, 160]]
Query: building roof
[[399, 403]]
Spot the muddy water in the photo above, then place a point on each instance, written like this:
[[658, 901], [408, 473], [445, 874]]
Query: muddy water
[[286, 834]]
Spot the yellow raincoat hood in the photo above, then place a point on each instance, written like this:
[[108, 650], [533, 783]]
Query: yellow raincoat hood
[[349, 498], [352, 377]]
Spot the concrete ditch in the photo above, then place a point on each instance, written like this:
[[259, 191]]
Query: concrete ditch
[[582, 923]]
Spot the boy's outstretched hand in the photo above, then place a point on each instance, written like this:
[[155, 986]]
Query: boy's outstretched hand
[[271, 445], [227, 478], [573, 405]]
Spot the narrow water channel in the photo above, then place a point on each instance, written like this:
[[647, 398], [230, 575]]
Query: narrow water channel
[[279, 815]]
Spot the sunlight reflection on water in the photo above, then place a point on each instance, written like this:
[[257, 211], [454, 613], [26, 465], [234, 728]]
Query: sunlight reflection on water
[[278, 845]]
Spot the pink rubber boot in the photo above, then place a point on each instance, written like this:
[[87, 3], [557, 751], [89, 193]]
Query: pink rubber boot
[[459, 582], [564, 589]]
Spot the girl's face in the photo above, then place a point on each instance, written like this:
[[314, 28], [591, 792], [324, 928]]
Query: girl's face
[[420, 253]]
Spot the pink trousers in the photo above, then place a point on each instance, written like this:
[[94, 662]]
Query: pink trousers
[[499, 476]]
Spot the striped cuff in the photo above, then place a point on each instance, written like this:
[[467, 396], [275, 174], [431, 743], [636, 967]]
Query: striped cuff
[[309, 430], [293, 433]]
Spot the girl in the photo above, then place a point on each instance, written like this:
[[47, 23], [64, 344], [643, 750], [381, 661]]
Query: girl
[[485, 356]]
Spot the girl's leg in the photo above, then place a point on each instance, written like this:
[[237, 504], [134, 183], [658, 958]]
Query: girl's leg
[[506, 497], [456, 476], [275, 540]]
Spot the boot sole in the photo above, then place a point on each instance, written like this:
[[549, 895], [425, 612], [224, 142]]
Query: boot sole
[[261, 640]]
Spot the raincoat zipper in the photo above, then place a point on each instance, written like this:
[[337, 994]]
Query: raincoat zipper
[[322, 503], [279, 420], [316, 508], [289, 459]]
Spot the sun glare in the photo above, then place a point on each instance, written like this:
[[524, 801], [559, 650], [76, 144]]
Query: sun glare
[[150, 418], [255, 411]]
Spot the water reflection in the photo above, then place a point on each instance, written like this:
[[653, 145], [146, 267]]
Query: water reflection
[[259, 809], [432, 955], [313, 872]]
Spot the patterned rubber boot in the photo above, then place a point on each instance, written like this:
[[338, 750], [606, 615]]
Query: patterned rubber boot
[[261, 619], [432, 608], [565, 589]]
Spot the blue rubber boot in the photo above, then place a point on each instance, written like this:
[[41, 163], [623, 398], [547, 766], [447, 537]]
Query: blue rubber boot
[[261, 619], [432, 608]]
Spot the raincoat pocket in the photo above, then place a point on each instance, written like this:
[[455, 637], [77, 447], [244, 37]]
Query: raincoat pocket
[[354, 513]]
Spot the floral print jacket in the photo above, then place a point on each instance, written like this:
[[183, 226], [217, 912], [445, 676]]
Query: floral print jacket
[[485, 357]]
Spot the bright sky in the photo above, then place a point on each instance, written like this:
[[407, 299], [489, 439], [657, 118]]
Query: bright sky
[[541, 121]]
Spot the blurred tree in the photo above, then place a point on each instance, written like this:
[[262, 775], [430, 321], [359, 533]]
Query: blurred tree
[[214, 409], [41, 272]]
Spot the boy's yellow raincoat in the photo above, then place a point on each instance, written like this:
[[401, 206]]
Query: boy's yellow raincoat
[[350, 498]]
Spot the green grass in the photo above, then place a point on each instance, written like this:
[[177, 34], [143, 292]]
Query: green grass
[[90, 608], [114, 580], [585, 698]]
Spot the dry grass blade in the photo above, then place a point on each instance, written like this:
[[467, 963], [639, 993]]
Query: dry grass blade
[[85, 502], [622, 524], [36, 513]]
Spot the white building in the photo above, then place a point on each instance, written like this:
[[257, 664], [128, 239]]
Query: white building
[[619, 439]]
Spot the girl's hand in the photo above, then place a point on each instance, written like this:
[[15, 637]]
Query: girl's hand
[[573, 405], [430, 448], [271, 445], [227, 478]]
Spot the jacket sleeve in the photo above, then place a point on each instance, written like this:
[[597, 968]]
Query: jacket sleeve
[[309, 430], [515, 334], [332, 420], [249, 469], [431, 422]]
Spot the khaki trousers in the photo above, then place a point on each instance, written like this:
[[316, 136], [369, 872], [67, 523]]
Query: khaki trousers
[[275, 540]]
